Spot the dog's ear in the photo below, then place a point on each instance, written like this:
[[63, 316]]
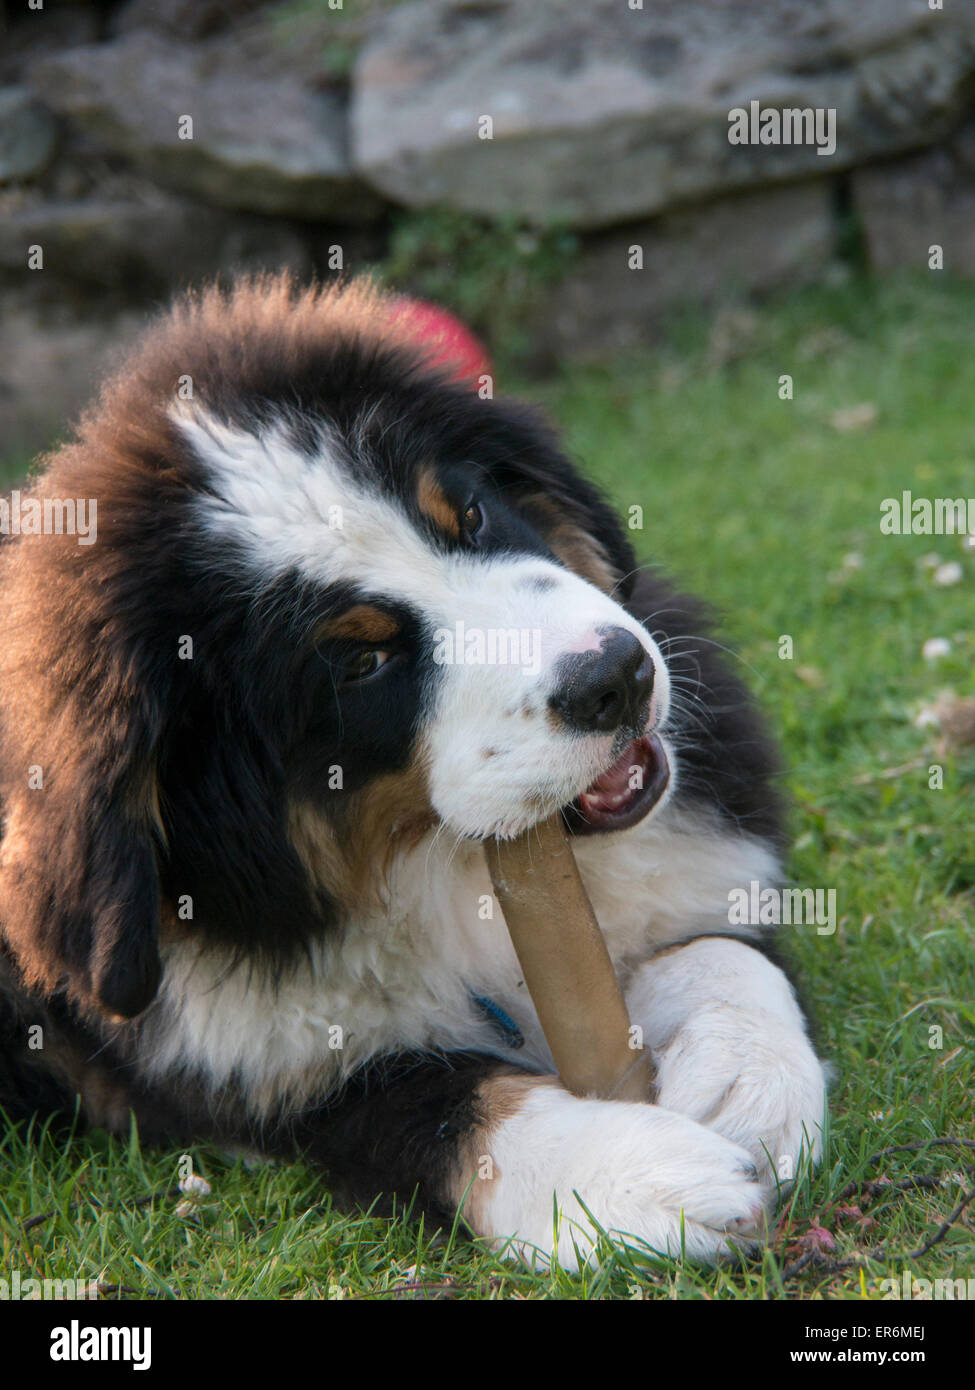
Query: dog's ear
[[79, 885], [569, 512]]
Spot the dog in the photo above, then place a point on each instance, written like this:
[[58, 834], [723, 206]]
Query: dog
[[255, 732]]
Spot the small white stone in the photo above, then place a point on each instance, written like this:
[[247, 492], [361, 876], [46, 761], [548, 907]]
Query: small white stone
[[935, 648], [948, 574], [855, 417]]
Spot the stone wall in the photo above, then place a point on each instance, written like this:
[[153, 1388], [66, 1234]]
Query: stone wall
[[148, 144]]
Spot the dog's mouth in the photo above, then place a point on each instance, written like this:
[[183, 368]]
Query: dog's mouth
[[625, 793]]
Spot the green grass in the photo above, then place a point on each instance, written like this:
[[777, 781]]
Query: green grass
[[493, 275], [754, 502], [12, 471]]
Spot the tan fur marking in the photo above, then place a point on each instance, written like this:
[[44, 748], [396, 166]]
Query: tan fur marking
[[435, 505], [107, 1104], [173, 927], [363, 623], [105, 1101], [317, 847], [578, 551], [498, 1098], [146, 806], [350, 857], [584, 557]]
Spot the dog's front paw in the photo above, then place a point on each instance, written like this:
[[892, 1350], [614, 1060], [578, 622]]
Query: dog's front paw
[[646, 1175], [752, 1078], [729, 1042]]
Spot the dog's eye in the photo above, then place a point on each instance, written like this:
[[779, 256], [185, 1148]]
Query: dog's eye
[[364, 665], [472, 519]]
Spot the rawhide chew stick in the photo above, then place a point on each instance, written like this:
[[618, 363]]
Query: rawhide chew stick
[[566, 965]]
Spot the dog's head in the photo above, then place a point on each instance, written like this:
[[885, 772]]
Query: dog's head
[[336, 601]]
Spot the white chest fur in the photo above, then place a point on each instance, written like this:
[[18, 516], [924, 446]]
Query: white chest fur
[[405, 980]]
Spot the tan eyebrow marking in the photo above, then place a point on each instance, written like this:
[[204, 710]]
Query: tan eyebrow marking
[[363, 623], [435, 504], [577, 550]]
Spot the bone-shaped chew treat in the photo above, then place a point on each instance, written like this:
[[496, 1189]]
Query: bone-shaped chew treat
[[566, 965]]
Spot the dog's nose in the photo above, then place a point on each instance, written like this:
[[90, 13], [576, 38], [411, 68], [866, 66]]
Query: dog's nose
[[601, 691]]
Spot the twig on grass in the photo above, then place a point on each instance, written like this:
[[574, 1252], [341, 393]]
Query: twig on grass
[[43, 1216], [863, 779], [874, 1186]]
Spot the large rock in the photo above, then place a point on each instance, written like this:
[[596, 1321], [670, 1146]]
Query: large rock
[[127, 244], [27, 33], [184, 19], [629, 280], [147, 244], [27, 135], [906, 206], [51, 360], [603, 113], [262, 139]]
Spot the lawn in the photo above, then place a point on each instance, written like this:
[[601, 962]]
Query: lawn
[[770, 507]]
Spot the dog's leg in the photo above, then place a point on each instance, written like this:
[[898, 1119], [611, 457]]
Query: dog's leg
[[507, 1147], [731, 1049]]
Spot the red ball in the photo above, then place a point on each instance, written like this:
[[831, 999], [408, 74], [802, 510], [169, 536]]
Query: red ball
[[449, 343]]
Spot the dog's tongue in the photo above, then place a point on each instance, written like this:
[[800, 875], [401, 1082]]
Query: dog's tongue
[[612, 801]]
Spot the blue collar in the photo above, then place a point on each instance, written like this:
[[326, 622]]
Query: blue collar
[[507, 1027]]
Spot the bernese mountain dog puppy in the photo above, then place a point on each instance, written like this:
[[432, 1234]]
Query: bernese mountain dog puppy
[[342, 622]]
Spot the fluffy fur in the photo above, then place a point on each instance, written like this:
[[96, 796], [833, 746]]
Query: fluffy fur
[[242, 882]]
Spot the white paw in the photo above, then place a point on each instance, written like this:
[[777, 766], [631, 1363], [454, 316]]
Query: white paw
[[731, 1051], [647, 1175], [751, 1078]]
